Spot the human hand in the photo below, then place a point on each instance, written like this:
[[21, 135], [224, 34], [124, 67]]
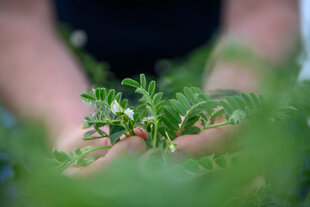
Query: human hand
[[129, 146], [211, 141]]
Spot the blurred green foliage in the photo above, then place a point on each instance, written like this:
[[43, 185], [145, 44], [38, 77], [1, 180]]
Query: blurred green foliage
[[272, 166]]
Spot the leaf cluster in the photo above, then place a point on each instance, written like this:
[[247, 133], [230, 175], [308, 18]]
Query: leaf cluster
[[163, 120]]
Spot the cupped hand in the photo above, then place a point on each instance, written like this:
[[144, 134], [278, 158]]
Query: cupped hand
[[211, 141], [129, 146]]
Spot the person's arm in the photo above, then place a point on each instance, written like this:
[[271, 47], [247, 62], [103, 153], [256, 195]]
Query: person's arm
[[38, 76], [271, 29], [40, 79]]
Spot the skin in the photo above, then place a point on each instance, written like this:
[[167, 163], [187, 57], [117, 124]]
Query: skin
[[30, 45]]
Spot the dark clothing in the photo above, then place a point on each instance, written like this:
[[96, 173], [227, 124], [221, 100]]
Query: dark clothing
[[133, 35]]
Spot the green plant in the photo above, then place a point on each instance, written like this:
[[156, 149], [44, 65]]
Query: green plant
[[162, 120]]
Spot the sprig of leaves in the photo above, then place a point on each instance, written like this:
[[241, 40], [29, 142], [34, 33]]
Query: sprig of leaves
[[208, 164], [151, 103], [75, 157], [182, 114], [110, 111], [163, 120]]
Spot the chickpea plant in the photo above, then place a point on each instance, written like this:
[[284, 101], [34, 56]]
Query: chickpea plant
[[162, 120]]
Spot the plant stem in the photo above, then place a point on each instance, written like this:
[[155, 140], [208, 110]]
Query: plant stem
[[92, 138], [186, 117], [131, 132], [217, 125], [94, 149], [155, 118], [64, 165]]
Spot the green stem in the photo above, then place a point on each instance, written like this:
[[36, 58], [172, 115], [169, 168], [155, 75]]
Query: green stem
[[131, 132], [217, 125], [64, 165], [186, 117], [155, 118], [94, 149], [92, 138]]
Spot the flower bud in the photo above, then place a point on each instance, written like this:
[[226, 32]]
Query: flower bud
[[171, 146], [129, 113], [237, 116], [116, 108]]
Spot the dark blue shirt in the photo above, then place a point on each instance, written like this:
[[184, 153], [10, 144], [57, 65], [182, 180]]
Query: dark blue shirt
[[133, 35]]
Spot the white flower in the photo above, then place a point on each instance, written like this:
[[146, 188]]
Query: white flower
[[172, 146], [237, 116], [116, 108], [129, 113], [148, 119]]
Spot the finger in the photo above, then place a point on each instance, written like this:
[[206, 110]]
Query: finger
[[73, 139], [141, 132], [211, 141], [138, 132], [131, 146]]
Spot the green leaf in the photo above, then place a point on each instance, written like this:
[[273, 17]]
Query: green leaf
[[111, 96], [152, 86], [172, 114], [103, 93], [178, 106], [77, 151], [192, 166], [97, 93], [189, 94], [88, 133], [170, 124], [130, 82], [247, 100], [207, 162], [172, 133], [191, 130], [190, 122], [92, 138], [226, 107], [157, 97], [183, 100], [139, 90], [142, 80], [124, 103], [102, 133], [232, 102], [255, 99], [216, 114], [61, 156], [116, 132], [87, 96], [118, 97], [86, 161], [240, 102], [221, 161]]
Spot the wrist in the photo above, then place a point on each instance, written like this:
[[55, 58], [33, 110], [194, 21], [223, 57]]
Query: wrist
[[233, 77]]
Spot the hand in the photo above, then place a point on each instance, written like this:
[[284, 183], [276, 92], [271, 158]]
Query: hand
[[210, 141], [130, 146]]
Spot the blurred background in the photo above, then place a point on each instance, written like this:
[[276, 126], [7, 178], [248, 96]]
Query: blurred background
[[51, 51]]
